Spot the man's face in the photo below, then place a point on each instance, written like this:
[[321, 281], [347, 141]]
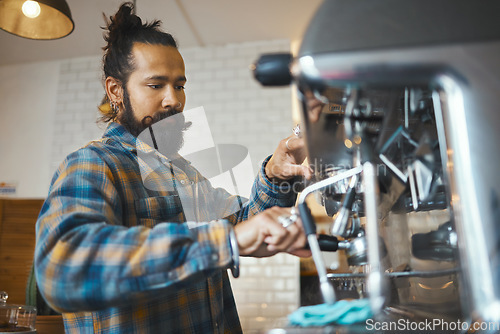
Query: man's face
[[155, 90]]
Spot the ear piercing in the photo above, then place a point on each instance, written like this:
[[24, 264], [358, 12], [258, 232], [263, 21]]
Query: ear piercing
[[114, 106]]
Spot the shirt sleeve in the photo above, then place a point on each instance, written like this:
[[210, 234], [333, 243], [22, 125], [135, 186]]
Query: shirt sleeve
[[85, 260], [266, 194]]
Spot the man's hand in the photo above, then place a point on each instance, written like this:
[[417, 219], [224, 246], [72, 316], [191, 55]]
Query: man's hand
[[263, 235], [287, 159]]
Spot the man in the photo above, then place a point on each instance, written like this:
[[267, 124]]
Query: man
[[115, 254]]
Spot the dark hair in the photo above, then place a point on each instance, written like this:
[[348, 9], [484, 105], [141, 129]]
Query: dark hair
[[123, 30]]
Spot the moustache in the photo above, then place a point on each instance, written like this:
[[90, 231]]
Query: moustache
[[179, 121]]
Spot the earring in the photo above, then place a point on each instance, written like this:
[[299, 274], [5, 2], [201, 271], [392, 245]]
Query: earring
[[114, 107]]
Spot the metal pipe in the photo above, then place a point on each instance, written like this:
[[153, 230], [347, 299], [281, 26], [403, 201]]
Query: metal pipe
[[328, 182], [376, 280], [340, 224]]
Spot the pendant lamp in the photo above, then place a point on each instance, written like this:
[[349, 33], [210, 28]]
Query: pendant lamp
[[42, 19]]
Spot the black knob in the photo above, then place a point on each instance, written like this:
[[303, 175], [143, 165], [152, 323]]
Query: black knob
[[328, 243], [273, 69]]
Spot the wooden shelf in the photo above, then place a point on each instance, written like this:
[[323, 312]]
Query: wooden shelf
[[17, 245]]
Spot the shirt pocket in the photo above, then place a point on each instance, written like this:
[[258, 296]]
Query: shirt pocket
[[153, 210]]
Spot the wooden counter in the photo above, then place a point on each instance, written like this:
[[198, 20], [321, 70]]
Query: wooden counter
[[17, 246]]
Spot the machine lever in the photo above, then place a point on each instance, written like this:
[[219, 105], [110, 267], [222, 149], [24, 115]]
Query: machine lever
[[310, 229]]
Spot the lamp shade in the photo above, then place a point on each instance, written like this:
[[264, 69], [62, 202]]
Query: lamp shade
[[43, 19]]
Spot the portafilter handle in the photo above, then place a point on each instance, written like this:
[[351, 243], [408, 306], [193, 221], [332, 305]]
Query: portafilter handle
[[310, 230], [330, 243]]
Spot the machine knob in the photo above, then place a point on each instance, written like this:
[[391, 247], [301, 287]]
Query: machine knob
[[273, 69]]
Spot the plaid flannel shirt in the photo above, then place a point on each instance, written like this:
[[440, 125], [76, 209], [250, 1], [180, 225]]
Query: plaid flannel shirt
[[115, 256]]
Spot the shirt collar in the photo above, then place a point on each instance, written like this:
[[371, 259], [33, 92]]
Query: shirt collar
[[117, 132]]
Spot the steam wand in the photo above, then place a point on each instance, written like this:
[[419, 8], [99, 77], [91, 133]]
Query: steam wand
[[340, 223], [376, 281], [310, 230]]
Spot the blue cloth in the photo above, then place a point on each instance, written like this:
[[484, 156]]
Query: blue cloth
[[343, 312]]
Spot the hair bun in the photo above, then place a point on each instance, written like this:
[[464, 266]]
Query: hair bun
[[122, 23]]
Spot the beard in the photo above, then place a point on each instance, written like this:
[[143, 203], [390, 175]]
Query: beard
[[164, 130]]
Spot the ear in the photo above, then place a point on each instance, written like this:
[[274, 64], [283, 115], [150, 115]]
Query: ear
[[114, 90]]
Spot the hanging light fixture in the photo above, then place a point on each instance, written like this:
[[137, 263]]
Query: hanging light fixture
[[42, 19]]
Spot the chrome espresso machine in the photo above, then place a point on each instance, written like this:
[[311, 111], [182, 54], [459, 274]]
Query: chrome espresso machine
[[401, 117]]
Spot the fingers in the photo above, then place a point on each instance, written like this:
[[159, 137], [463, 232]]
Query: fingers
[[285, 238], [287, 159], [293, 143], [264, 235], [278, 236], [251, 234]]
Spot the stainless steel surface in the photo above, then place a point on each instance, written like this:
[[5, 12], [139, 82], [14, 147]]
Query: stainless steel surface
[[357, 250], [376, 281], [472, 191]]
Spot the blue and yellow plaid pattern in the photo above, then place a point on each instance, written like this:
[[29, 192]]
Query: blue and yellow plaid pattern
[[115, 256]]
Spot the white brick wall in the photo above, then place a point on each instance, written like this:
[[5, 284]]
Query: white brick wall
[[239, 111], [267, 291], [79, 93]]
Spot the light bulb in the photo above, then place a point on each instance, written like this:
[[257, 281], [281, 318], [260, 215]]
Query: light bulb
[[348, 143], [31, 9]]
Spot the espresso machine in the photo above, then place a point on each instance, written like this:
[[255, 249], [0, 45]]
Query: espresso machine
[[400, 114]]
